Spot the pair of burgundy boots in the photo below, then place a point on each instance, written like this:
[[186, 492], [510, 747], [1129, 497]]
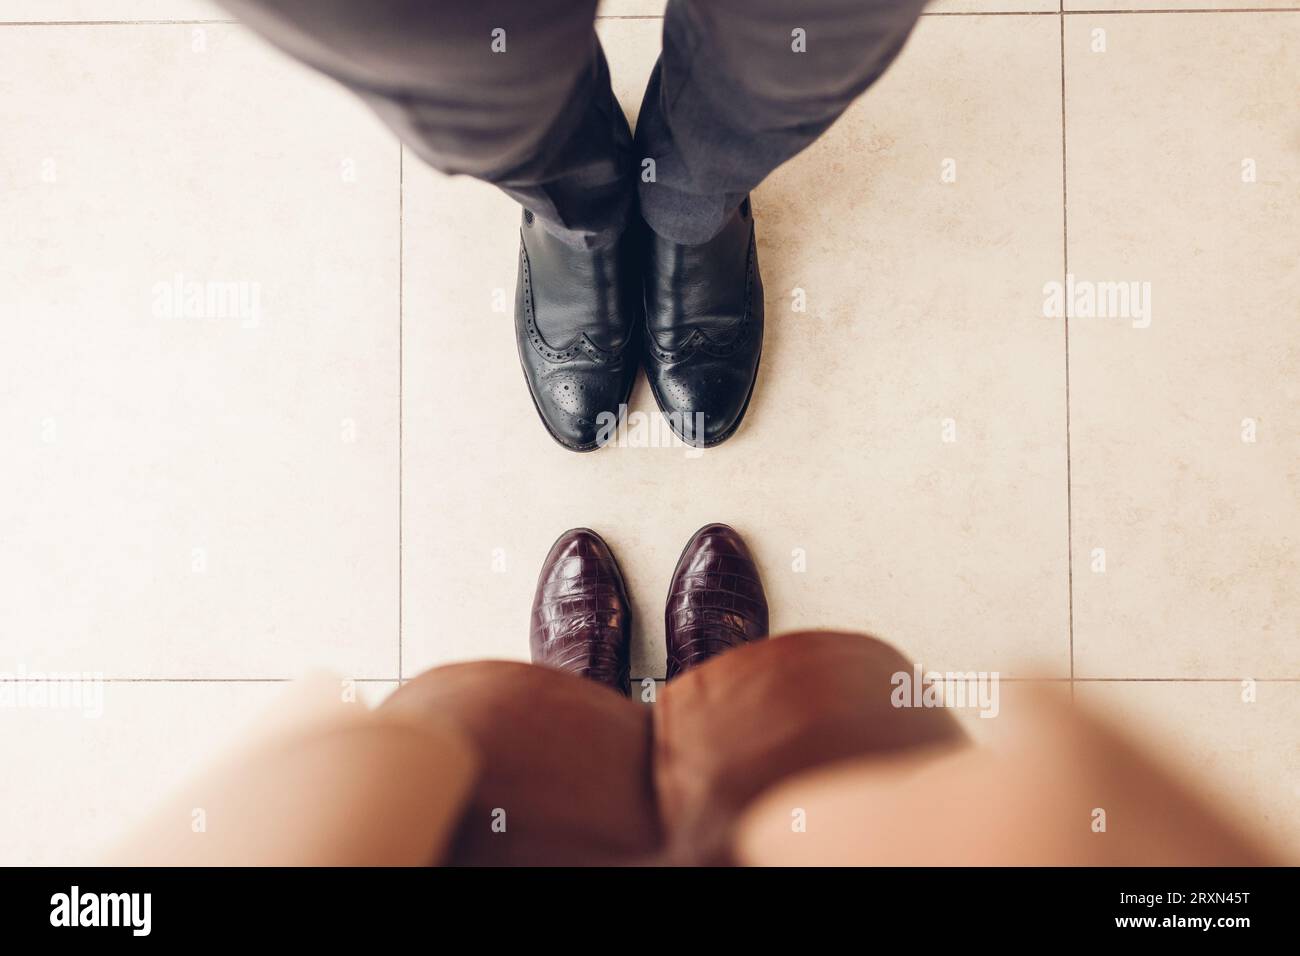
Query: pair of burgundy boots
[[582, 623]]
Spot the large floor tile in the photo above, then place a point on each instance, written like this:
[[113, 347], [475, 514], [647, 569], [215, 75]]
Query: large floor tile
[[1210, 6], [194, 486], [631, 8], [992, 6], [923, 304], [108, 11], [1245, 755], [148, 740], [1185, 451]]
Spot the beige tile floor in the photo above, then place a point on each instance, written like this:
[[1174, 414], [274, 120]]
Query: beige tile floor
[[202, 508]]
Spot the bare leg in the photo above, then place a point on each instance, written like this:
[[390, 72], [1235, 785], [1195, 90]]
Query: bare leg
[[1057, 787], [728, 729], [565, 764]]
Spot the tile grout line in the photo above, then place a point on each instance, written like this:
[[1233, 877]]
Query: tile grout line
[[401, 402], [1065, 263]]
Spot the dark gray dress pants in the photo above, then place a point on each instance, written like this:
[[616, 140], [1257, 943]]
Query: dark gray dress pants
[[517, 93]]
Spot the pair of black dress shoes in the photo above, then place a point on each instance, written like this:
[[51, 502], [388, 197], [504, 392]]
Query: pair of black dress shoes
[[584, 320]]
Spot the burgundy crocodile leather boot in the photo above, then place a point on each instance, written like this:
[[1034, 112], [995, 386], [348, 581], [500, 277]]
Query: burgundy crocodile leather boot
[[581, 622], [715, 600]]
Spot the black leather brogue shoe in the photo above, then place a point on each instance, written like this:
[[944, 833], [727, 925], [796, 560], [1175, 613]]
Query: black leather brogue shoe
[[704, 329], [577, 320]]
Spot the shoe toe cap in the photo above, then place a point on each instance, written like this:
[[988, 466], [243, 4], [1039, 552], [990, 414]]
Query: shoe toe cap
[[581, 407], [705, 403]]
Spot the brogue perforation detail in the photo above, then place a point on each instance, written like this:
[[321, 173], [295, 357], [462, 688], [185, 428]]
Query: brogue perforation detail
[[584, 344], [699, 340]]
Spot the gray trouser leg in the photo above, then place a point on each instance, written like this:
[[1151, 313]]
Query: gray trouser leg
[[513, 92], [742, 86]]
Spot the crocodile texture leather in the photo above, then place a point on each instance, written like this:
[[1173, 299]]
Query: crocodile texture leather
[[581, 622], [577, 319], [715, 601], [704, 329]]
